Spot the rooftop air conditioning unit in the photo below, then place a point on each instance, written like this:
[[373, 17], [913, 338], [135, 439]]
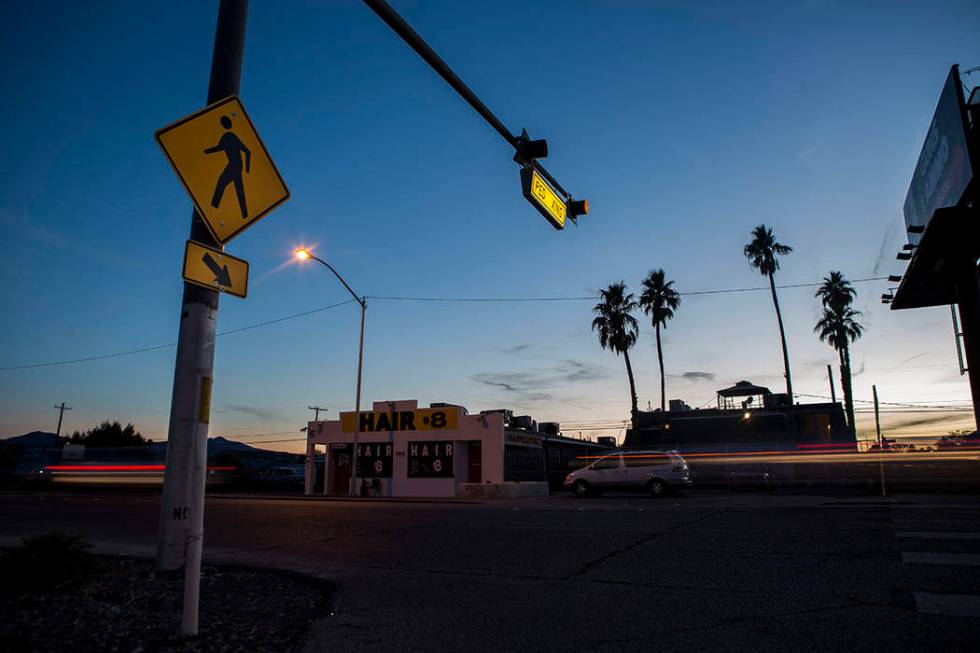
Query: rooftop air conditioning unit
[[550, 428]]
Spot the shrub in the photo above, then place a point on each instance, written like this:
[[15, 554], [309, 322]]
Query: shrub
[[43, 563]]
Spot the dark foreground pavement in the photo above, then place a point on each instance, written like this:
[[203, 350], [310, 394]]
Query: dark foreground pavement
[[694, 572]]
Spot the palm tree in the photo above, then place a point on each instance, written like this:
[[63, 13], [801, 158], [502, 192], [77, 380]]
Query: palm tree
[[839, 327], [617, 328], [762, 252], [836, 291], [659, 300]]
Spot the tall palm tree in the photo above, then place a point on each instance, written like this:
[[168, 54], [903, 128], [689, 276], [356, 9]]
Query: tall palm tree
[[839, 327], [763, 252], [836, 291], [617, 328], [659, 300]]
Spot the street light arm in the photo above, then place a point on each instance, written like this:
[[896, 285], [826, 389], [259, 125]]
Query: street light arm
[[360, 300], [417, 43]]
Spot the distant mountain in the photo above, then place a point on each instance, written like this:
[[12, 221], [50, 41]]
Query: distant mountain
[[218, 444], [35, 440], [215, 445], [44, 440]]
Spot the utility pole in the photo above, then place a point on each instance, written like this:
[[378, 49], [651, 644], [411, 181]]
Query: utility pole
[[881, 466], [182, 506], [830, 377], [874, 392], [61, 413], [316, 410], [309, 476]]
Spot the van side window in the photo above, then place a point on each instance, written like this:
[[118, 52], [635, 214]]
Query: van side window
[[646, 459], [612, 462]]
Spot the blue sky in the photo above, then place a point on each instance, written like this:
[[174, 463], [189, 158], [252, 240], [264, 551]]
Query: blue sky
[[685, 124]]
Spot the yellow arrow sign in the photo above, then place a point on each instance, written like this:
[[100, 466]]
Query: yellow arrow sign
[[224, 167], [216, 270]]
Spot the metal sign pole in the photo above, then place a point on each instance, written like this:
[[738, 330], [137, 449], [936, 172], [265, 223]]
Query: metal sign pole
[[357, 403], [968, 299], [881, 466], [182, 506]]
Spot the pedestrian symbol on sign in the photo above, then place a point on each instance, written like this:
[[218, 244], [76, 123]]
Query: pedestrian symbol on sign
[[233, 148]]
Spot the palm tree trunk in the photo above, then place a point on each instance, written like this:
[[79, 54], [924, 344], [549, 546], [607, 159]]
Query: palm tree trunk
[[846, 382], [782, 338], [842, 366], [663, 383], [629, 373], [663, 391]]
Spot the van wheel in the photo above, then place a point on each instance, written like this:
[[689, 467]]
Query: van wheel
[[582, 489], [657, 487]]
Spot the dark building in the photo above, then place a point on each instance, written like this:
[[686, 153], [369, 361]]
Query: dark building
[[537, 451], [748, 417]]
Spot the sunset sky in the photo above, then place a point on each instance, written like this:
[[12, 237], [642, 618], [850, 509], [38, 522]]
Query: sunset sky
[[685, 124]]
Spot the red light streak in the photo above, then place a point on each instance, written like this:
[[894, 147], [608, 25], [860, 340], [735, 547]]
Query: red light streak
[[121, 468]]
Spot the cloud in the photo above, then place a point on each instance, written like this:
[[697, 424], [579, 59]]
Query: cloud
[[516, 349], [699, 376], [531, 385], [576, 371], [252, 411], [951, 417], [519, 384]]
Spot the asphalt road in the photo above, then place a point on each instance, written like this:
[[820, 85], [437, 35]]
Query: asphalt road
[[695, 572]]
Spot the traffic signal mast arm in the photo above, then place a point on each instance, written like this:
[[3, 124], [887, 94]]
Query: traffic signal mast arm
[[526, 150]]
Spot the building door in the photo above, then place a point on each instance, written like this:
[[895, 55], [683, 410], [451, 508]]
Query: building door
[[474, 458], [341, 469]]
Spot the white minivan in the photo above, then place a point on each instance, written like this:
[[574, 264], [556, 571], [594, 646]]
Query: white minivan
[[657, 472]]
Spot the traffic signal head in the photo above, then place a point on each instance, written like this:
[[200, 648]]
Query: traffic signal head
[[528, 150], [575, 208]]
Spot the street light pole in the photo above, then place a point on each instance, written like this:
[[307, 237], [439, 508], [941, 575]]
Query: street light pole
[[357, 402], [304, 254]]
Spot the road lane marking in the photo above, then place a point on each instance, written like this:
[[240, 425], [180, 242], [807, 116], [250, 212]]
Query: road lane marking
[[921, 558], [960, 605], [943, 535]]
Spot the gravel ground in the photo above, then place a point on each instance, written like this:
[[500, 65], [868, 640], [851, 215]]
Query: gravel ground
[[123, 608]]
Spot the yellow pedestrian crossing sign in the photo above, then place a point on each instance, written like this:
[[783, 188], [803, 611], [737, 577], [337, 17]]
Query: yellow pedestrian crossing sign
[[224, 167], [215, 269]]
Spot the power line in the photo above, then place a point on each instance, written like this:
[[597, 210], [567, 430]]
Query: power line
[[294, 316], [271, 441], [481, 299], [400, 298], [920, 405], [141, 350]]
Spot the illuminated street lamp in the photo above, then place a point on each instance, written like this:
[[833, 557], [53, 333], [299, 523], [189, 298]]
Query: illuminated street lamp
[[304, 254]]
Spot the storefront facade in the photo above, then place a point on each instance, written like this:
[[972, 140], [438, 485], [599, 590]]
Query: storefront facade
[[407, 451]]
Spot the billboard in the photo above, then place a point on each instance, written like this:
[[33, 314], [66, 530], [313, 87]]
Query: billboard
[[943, 171], [421, 419]]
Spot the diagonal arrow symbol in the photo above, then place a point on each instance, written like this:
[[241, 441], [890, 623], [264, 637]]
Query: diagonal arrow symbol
[[221, 276]]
